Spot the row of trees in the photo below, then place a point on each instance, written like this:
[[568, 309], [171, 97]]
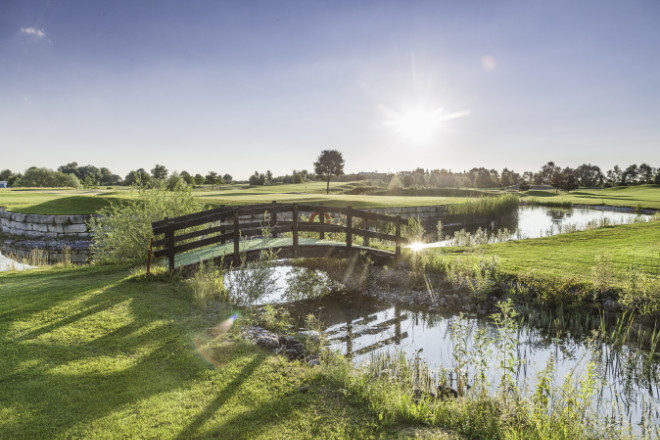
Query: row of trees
[[89, 176], [331, 163], [565, 179]]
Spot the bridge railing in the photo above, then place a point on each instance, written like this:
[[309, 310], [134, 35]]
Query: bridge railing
[[229, 224]]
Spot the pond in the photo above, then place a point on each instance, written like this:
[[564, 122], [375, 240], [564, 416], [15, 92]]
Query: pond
[[534, 222], [9, 264], [627, 382]]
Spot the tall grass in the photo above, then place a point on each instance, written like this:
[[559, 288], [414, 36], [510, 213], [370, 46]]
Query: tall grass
[[483, 208]]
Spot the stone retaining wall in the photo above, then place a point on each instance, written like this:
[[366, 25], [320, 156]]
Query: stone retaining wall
[[66, 227]]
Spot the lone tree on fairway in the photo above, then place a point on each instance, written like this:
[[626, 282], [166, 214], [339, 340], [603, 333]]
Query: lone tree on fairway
[[330, 163]]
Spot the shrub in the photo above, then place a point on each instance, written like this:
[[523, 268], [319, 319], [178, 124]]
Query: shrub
[[123, 231]]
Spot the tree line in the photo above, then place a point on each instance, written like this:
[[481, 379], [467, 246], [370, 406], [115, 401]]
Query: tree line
[[561, 178], [564, 179]]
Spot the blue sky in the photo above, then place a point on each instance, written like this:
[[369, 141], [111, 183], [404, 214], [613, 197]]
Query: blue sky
[[254, 85]]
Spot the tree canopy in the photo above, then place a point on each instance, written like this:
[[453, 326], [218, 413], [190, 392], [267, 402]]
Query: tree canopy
[[329, 163]]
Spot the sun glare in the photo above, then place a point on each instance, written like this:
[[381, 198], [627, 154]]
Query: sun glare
[[419, 124]]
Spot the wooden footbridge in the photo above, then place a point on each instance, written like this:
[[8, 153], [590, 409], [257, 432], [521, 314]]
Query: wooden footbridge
[[234, 234]]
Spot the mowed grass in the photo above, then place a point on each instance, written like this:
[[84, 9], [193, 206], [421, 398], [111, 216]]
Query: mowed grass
[[634, 247], [643, 196], [89, 352], [63, 201], [59, 201]]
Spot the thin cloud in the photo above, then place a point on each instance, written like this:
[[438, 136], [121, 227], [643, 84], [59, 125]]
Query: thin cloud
[[33, 32]]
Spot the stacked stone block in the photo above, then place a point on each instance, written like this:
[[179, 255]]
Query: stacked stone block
[[69, 227]]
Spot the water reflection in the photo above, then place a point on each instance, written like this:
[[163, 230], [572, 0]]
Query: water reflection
[[535, 222]]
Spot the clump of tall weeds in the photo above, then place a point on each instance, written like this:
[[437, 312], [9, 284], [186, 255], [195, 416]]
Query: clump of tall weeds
[[123, 230]]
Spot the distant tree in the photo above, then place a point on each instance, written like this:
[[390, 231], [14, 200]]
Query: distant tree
[[543, 177], [523, 186], [187, 177], [509, 177], [589, 175], [629, 176], [159, 172], [646, 173], [227, 178], [408, 180], [47, 178], [70, 168], [89, 175], [212, 178], [564, 180], [108, 178], [199, 179], [269, 175], [139, 177], [257, 179], [329, 163], [296, 177], [656, 179], [6, 175], [614, 176]]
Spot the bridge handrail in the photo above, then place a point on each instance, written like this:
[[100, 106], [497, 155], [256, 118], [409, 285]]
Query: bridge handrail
[[225, 223]]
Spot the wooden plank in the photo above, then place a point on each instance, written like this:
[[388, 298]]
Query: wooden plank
[[379, 236], [190, 235], [208, 212], [189, 223]]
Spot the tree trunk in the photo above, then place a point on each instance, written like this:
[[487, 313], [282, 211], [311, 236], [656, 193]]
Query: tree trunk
[[327, 188]]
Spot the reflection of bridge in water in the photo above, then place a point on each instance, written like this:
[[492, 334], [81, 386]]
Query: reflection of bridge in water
[[358, 323], [355, 329]]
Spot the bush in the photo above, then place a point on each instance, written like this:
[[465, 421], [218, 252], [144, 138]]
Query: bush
[[123, 231]]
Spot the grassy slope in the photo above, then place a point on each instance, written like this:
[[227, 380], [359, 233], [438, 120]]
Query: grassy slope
[[63, 201], [645, 196], [90, 353], [576, 254]]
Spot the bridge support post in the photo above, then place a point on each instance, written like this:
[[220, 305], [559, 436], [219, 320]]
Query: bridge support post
[[321, 221], [349, 227], [222, 227], [397, 251], [169, 235], [366, 228], [294, 229], [273, 220], [237, 239]]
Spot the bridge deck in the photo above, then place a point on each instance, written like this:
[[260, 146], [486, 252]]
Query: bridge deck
[[256, 244]]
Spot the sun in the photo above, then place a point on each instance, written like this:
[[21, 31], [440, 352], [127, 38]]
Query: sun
[[419, 124]]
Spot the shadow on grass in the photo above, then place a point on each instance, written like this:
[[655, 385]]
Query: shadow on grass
[[73, 205], [227, 392], [60, 376]]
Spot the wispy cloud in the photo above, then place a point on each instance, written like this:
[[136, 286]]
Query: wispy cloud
[[33, 32]]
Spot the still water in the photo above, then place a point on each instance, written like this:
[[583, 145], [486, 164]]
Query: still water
[[627, 382], [535, 222]]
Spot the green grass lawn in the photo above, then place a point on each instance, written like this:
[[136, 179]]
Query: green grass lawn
[[69, 201], [629, 247], [89, 352], [63, 201], [644, 196]]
